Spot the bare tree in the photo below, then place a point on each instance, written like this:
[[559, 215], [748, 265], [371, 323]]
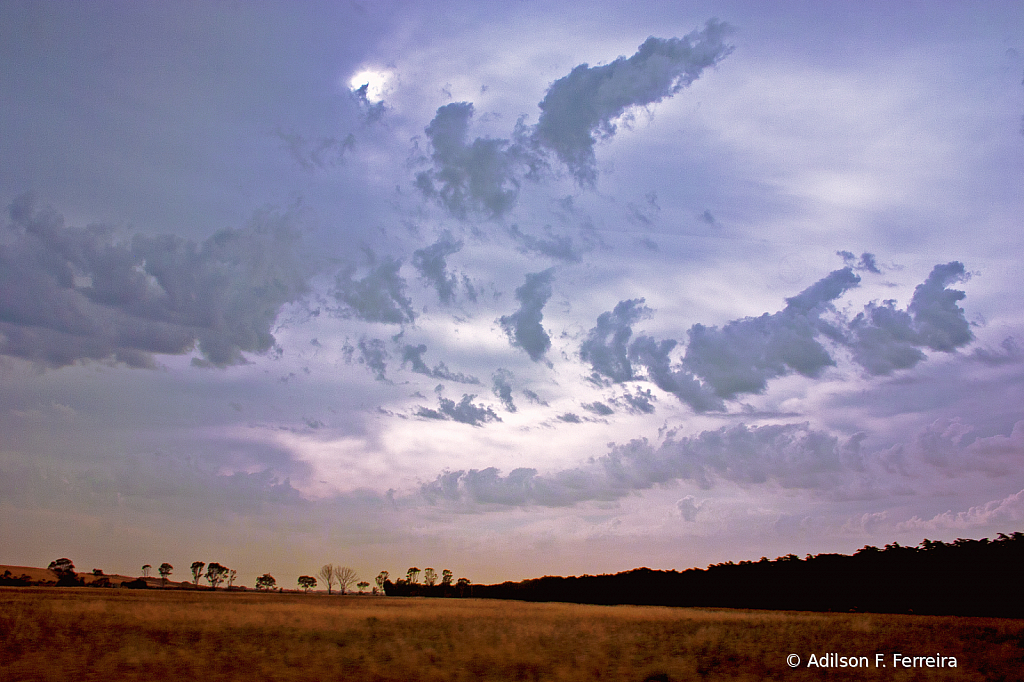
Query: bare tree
[[232, 575], [381, 578], [330, 575], [306, 582], [146, 568], [165, 570], [197, 571], [346, 576], [429, 577]]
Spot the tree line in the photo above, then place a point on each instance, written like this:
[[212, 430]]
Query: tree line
[[217, 574], [964, 577]]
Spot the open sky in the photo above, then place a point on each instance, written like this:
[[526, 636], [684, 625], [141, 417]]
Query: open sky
[[513, 289]]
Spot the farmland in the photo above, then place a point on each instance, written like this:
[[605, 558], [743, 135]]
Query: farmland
[[87, 634]]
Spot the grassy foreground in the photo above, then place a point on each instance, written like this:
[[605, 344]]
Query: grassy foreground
[[83, 634]]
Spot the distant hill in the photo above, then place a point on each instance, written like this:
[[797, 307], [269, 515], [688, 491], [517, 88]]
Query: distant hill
[[42, 576]]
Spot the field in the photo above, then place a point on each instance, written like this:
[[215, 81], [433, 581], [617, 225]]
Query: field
[[84, 634]]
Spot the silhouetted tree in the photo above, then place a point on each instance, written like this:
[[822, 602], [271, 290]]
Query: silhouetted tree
[[381, 578], [197, 571], [65, 570], [429, 577], [412, 575], [146, 568], [306, 582], [232, 575], [329, 574], [62, 567], [462, 586], [266, 582], [446, 578], [346, 576], [362, 585], [215, 574], [165, 570]]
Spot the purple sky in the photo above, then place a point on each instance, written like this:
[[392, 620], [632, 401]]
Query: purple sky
[[511, 289]]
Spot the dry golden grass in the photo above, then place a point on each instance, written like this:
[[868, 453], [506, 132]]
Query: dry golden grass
[[64, 634]]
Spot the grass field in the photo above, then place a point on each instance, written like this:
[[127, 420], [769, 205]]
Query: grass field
[[82, 634]]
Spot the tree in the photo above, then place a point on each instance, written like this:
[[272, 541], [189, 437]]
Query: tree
[[306, 582], [412, 575], [165, 570], [429, 577], [462, 585], [330, 575], [197, 571], [146, 568], [362, 585], [232, 574], [62, 567], [346, 576], [446, 578], [266, 582], [381, 578], [215, 574]]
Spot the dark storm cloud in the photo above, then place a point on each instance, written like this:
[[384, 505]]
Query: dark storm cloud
[[377, 297], [481, 176], [581, 108], [744, 354], [69, 294], [883, 338], [502, 388], [431, 262], [793, 456], [654, 355], [1011, 353], [414, 355], [464, 412], [523, 327]]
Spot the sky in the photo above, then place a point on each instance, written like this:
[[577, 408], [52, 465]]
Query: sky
[[512, 289]]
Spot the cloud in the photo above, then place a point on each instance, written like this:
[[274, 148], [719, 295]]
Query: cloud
[[374, 355], [534, 398], [654, 355], [1010, 354], [581, 108], [431, 263], [369, 112], [570, 418], [1009, 510], [523, 327], [606, 345], [688, 508], [377, 297], [866, 262], [641, 402], [744, 354], [464, 412], [559, 247], [598, 408], [414, 355], [471, 177], [71, 294], [316, 154], [884, 339], [502, 388], [792, 456]]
